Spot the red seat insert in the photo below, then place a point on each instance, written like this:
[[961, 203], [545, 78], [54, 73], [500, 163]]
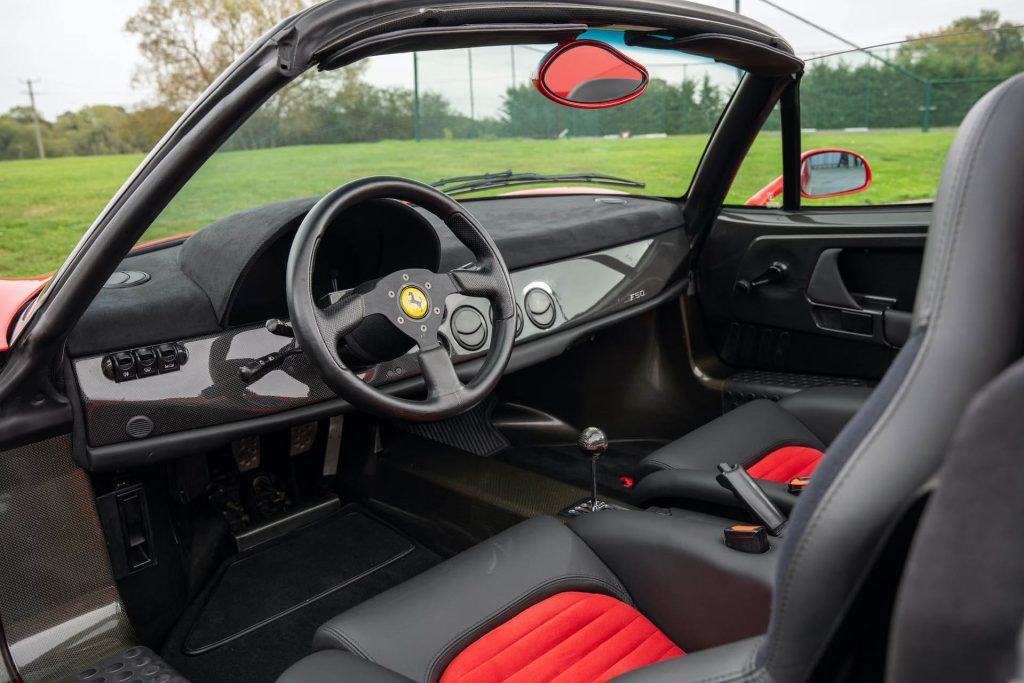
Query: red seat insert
[[570, 637], [785, 463]]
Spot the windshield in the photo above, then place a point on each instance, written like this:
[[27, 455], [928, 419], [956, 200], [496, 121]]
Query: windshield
[[470, 117]]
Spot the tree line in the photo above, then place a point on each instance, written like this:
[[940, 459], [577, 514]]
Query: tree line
[[943, 72]]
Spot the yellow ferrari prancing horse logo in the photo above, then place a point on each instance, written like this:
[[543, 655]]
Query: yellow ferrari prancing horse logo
[[414, 302]]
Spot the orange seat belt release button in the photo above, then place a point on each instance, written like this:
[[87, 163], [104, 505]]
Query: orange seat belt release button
[[798, 484]]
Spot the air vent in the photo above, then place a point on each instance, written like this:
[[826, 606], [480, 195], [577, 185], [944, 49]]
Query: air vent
[[540, 308], [469, 328]]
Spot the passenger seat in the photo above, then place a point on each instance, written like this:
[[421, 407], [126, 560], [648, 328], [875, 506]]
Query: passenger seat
[[775, 441]]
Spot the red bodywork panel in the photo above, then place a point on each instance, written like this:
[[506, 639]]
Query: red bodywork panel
[[14, 294]]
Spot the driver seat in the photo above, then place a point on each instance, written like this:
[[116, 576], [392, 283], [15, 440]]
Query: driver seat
[[625, 592]]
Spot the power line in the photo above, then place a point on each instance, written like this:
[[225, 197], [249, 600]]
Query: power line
[[923, 39], [35, 117]]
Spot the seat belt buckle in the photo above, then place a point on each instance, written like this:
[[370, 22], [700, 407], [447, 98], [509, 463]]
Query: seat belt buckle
[[747, 538], [752, 496], [797, 485]]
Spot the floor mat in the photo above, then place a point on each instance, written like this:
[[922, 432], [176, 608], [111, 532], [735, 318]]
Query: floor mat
[[259, 615], [567, 464]]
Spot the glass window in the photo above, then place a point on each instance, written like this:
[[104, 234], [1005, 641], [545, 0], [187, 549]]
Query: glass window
[[449, 113], [759, 180], [899, 106]]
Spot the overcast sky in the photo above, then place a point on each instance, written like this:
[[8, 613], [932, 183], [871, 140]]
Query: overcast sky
[[80, 55]]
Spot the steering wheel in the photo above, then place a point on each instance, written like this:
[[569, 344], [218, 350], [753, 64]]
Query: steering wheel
[[412, 300]]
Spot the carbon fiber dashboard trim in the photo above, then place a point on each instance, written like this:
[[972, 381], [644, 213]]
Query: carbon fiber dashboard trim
[[59, 604], [207, 390]]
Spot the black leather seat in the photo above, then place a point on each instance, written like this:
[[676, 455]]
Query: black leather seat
[[775, 441], [809, 419], [975, 562], [712, 601]]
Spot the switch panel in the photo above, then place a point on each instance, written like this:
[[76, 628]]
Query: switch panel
[[145, 361]]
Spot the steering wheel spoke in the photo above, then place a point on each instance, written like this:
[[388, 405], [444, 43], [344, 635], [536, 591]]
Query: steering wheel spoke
[[439, 372], [341, 316], [484, 282]]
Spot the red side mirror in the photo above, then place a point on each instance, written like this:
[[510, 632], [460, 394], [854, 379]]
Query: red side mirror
[[827, 172], [589, 75], [833, 173]]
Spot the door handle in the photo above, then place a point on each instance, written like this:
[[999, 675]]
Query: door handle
[[826, 287], [836, 311]]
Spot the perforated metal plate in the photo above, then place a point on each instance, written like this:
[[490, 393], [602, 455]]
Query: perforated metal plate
[[134, 665]]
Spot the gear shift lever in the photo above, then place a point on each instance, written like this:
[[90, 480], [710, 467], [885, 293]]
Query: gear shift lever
[[593, 443]]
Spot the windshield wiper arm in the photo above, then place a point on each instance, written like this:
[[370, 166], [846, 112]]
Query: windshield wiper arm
[[487, 181]]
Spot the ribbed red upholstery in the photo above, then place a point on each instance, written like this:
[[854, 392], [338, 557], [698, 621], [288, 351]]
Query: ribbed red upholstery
[[570, 638], [785, 463]]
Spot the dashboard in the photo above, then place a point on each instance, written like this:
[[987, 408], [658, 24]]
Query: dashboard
[[148, 399]]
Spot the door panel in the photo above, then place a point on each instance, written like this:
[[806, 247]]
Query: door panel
[[819, 291]]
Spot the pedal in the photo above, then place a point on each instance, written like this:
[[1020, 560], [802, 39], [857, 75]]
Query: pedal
[[246, 452], [300, 438]]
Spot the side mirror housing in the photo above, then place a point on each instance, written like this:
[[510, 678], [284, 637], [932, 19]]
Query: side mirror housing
[[588, 74], [833, 173]]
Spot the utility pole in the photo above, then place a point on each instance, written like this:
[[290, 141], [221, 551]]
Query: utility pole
[[472, 104], [35, 119], [512, 56], [416, 94]]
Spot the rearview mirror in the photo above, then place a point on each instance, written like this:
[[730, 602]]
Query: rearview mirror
[[832, 173], [589, 75]]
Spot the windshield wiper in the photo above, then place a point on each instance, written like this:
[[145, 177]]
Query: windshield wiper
[[487, 181]]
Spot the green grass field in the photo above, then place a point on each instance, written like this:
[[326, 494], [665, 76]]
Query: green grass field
[[45, 206]]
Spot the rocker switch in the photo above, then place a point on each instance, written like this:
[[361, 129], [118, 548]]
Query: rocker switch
[[123, 366], [146, 362], [167, 357]]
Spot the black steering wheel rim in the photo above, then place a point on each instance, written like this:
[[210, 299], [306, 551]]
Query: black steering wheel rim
[[318, 330]]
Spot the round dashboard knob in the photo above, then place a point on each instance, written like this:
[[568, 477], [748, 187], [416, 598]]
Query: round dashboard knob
[[540, 307], [469, 328]]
